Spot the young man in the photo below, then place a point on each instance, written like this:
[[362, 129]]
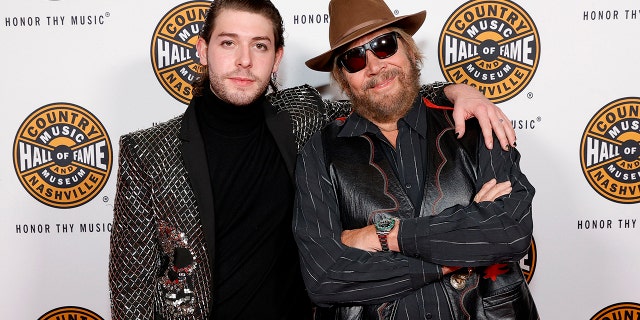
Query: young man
[[202, 219], [395, 217]]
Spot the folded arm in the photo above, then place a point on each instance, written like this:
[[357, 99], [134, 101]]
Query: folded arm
[[495, 227], [333, 272], [481, 233]]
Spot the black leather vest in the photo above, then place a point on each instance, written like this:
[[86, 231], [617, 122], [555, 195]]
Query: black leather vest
[[364, 179], [367, 187]]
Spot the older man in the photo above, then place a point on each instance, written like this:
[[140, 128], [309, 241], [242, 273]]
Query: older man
[[395, 217]]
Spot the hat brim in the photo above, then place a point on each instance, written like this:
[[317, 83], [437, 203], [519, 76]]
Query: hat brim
[[409, 23]]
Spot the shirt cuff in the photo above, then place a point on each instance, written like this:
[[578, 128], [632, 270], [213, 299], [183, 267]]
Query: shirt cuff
[[423, 273], [408, 239]]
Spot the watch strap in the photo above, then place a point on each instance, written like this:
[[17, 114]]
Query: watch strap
[[383, 241]]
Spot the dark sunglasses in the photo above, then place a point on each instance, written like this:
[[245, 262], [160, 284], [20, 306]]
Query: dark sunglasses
[[383, 46]]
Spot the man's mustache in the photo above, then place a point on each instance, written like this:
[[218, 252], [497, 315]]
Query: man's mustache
[[384, 76]]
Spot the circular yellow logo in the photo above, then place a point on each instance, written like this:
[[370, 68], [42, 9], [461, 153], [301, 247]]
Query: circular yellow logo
[[624, 310], [610, 151], [528, 263], [70, 313], [491, 45], [62, 155], [173, 48]]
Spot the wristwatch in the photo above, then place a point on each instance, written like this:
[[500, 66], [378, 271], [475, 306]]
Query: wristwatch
[[383, 227]]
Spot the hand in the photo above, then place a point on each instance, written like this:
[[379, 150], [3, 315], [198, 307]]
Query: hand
[[468, 103], [447, 270], [367, 239], [491, 190], [364, 238]]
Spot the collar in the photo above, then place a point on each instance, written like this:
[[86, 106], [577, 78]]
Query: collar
[[415, 119], [228, 119]]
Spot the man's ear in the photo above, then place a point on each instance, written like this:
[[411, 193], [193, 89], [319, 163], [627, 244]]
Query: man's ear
[[279, 55], [201, 47]]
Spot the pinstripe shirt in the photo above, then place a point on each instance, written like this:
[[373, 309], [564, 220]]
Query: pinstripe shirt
[[470, 234]]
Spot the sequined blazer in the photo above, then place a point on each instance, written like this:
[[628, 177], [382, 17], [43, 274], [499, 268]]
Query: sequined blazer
[[161, 245]]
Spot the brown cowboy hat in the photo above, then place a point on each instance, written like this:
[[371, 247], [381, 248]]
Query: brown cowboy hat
[[352, 19]]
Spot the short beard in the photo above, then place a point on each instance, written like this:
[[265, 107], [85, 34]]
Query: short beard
[[237, 98], [390, 107]]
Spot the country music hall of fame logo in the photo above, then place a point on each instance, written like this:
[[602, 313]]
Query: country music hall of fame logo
[[610, 151], [62, 155], [529, 262], [70, 312], [619, 311], [491, 45], [173, 48]]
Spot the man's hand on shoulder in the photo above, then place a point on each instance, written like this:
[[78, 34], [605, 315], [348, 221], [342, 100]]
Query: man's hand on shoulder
[[468, 103]]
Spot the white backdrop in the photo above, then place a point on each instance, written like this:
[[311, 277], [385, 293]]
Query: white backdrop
[[96, 57]]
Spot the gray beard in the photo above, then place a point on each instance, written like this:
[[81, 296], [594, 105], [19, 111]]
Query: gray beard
[[390, 107]]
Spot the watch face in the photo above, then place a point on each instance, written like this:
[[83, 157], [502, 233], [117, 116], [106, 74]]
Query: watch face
[[385, 225]]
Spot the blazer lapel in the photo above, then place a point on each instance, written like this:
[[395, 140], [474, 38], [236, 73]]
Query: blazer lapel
[[195, 160], [281, 128]]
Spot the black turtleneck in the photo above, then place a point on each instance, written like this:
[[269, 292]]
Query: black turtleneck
[[256, 273]]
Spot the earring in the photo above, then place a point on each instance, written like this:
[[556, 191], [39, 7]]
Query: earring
[[274, 82]]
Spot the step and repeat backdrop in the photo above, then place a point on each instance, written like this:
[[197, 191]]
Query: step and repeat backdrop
[[78, 74]]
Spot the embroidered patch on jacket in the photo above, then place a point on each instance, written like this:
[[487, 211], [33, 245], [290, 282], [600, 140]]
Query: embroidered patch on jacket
[[176, 282]]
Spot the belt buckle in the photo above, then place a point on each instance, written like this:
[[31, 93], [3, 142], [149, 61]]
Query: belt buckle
[[459, 280]]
